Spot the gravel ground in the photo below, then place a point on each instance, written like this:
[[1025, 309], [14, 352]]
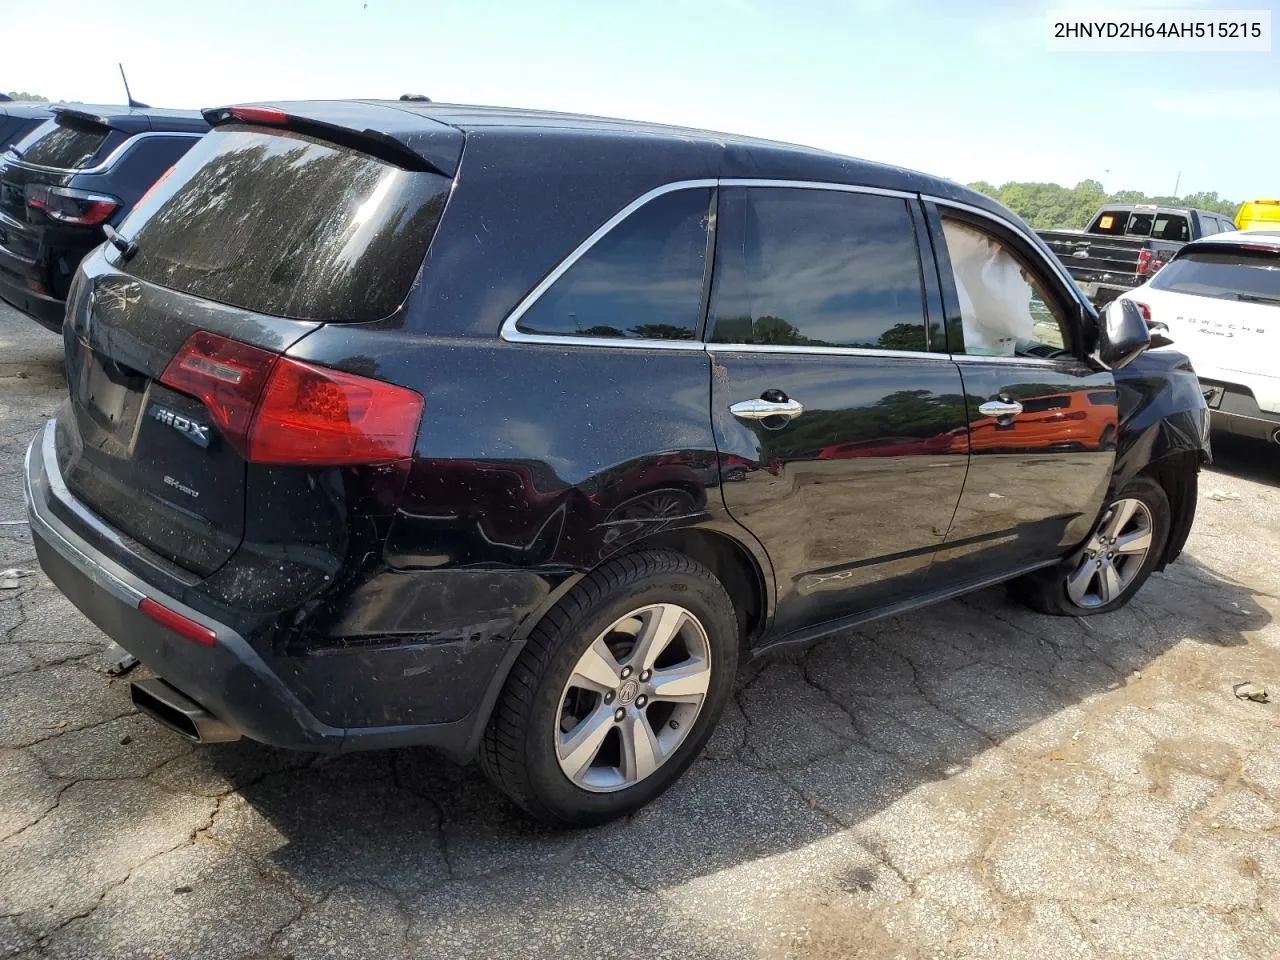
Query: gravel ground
[[972, 780]]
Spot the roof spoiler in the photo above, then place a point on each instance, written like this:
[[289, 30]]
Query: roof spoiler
[[407, 140], [83, 116]]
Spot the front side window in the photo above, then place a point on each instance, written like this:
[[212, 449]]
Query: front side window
[[1005, 307], [642, 280], [824, 268]]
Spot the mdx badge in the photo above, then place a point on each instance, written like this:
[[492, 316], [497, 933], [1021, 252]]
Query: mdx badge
[[197, 433]]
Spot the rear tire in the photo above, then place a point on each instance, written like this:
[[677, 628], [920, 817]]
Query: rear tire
[[616, 691], [1112, 565]]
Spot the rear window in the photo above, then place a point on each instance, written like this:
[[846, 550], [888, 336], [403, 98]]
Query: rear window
[[1111, 222], [1252, 276], [64, 143], [284, 224]]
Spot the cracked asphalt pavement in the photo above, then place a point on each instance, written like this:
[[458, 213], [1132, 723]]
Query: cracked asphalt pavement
[[972, 780]]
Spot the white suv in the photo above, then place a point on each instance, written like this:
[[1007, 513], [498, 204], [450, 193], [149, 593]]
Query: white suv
[[1220, 299]]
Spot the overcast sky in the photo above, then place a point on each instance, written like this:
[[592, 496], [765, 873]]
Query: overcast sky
[[963, 89]]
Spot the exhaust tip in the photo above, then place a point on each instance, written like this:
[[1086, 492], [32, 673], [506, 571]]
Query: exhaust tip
[[171, 708], [1275, 436]]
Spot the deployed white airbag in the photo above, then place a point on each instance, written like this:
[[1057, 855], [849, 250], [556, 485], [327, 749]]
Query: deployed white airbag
[[995, 297]]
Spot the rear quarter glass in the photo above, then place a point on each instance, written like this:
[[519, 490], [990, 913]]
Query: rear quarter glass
[[63, 143], [286, 225]]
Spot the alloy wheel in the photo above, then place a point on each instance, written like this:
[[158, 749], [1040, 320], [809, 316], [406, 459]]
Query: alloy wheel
[[1113, 556], [632, 698]]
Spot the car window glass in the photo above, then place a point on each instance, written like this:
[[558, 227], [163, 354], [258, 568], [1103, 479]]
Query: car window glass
[[818, 268], [1139, 225], [1209, 226], [1171, 226], [1004, 306], [1111, 222], [65, 144], [1248, 276], [283, 224], [642, 280]]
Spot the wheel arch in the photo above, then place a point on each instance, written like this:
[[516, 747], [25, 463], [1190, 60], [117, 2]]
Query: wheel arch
[[733, 564], [1178, 474]]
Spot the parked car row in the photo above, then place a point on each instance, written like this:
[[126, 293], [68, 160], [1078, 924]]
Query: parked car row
[[1219, 300], [512, 432], [1126, 244], [78, 171]]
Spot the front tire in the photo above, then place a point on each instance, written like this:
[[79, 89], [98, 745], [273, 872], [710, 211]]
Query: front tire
[[616, 691], [1114, 562]]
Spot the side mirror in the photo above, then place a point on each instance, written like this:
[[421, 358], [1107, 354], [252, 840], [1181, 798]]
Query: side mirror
[[1159, 334], [1122, 334]]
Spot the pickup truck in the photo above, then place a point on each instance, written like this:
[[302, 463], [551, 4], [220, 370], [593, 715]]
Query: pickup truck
[[1125, 244]]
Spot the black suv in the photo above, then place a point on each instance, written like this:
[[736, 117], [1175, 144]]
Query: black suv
[[68, 179], [511, 433], [17, 119]]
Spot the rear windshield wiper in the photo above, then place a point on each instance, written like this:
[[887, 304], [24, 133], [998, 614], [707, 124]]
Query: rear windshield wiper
[[127, 248], [1256, 298]]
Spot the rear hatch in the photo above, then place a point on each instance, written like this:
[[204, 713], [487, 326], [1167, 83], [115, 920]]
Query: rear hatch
[[253, 240], [1111, 249], [47, 159], [1091, 258], [1221, 302]]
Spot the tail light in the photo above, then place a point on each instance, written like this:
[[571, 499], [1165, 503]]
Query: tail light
[[1144, 262], [1146, 311], [275, 409], [71, 206]]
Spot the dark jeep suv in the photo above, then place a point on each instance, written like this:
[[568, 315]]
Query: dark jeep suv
[[17, 119], [68, 180], [511, 433]]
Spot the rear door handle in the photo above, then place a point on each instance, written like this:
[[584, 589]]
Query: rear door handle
[[1000, 408], [764, 409]]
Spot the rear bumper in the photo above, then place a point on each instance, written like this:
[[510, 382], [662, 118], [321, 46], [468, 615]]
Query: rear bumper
[[1234, 409], [229, 679], [44, 310]]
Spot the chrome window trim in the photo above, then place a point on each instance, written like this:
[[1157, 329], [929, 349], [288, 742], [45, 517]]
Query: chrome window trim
[[1001, 358], [826, 351], [110, 159], [511, 334], [816, 185]]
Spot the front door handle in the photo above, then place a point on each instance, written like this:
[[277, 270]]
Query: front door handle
[[1000, 408], [761, 409]]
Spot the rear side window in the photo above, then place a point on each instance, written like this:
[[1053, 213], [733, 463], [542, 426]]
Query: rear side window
[[641, 280], [64, 143], [286, 225], [824, 268], [1209, 226], [1171, 226], [1251, 276]]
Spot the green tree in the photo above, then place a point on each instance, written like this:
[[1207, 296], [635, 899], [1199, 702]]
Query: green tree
[[24, 97], [1051, 205]]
